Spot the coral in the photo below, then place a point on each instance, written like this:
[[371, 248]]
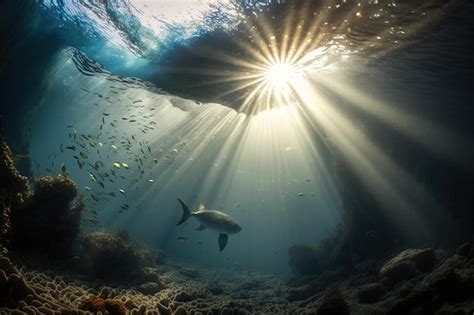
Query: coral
[[92, 304], [14, 189], [48, 220], [113, 256], [108, 255], [447, 289]]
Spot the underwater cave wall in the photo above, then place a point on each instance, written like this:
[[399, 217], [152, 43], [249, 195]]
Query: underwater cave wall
[[28, 46]]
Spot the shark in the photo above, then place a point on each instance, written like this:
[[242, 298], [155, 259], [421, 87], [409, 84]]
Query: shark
[[214, 220]]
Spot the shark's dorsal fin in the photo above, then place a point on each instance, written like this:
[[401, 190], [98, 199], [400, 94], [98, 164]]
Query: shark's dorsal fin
[[201, 207]]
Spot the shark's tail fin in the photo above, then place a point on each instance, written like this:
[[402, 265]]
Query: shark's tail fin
[[186, 212]]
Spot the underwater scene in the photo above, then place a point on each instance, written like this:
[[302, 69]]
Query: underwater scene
[[236, 157]]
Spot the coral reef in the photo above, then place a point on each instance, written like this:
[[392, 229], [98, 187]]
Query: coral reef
[[445, 288], [48, 220], [14, 190], [114, 256]]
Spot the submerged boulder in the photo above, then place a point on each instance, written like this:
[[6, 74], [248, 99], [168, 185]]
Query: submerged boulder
[[370, 293], [115, 257], [48, 220], [407, 265], [107, 255], [333, 303]]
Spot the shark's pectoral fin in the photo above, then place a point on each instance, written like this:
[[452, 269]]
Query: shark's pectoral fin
[[201, 227], [222, 241]]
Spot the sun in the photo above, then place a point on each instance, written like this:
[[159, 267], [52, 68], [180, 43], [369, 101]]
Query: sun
[[280, 75]]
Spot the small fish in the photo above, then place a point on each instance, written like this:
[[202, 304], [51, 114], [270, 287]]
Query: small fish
[[121, 191], [183, 239], [93, 221], [116, 165], [79, 164], [71, 147], [87, 188], [125, 165], [92, 176], [156, 161], [301, 194], [113, 125], [114, 147], [61, 148], [105, 114], [83, 155], [19, 157], [64, 170]]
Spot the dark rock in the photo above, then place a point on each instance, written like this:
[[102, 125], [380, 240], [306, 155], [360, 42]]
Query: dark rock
[[184, 296], [420, 299], [396, 272], [370, 293], [48, 220], [466, 250], [407, 265], [333, 304], [107, 255], [150, 288], [448, 284], [424, 259]]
